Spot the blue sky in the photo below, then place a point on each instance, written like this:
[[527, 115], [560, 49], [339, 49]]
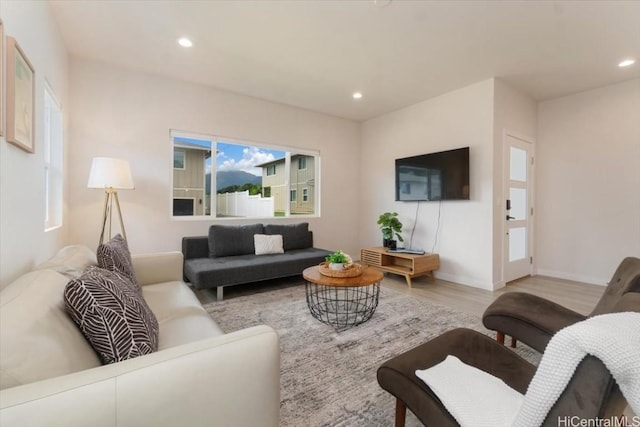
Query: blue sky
[[244, 157], [237, 157]]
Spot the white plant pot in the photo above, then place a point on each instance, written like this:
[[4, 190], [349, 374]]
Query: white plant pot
[[336, 266]]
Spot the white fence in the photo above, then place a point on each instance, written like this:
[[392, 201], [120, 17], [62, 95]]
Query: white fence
[[244, 205]]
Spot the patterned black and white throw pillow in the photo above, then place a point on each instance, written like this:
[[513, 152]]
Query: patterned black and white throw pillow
[[115, 256], [112, 315]]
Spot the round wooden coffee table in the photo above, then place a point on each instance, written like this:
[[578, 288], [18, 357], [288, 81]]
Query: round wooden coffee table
[[342, 302]]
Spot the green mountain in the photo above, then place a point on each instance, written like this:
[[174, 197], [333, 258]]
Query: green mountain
[[228, 178]]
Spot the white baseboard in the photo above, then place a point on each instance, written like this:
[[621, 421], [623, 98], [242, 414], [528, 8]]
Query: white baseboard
[[499, 285], [571, 276], [467, 281]]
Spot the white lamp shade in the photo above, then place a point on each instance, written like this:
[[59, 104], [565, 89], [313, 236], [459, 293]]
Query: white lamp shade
[[107, 172]]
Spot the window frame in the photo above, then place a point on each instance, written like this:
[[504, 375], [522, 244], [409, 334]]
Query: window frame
[[53, 159], [184, 159], [289, 151], [300, 163]]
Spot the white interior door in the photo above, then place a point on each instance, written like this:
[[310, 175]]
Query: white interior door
[[518, 173]]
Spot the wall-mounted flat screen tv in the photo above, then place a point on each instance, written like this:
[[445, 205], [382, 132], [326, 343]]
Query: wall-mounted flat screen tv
[[434, 176]]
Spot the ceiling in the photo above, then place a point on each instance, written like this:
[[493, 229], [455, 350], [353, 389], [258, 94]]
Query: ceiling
[[315, 54]]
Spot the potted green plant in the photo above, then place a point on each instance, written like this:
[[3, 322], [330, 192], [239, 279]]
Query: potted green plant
[[338, 260], [391, 228]]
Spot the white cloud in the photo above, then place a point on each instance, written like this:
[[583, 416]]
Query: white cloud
[[251, 156]]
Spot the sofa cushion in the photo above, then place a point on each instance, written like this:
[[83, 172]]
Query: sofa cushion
[[112, 315], [294, 236], [180, 315], [39, 339], [70, 261], [229, 240], [212, 272], [266, 244], [115, 256]]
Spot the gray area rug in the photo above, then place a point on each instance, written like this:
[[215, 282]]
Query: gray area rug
[[329, 378]]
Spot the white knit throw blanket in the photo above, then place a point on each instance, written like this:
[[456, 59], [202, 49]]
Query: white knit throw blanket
[[612, 338]]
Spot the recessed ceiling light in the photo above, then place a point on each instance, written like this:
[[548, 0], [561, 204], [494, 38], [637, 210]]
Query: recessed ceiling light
[[185, 42], [627, 62], [357, 95]]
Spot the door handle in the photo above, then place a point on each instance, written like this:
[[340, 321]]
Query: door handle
[[510, 217]]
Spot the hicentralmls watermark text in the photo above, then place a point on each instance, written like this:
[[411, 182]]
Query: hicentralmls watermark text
[[576, 421]]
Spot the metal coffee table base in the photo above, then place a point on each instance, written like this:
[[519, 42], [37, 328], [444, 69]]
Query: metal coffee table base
[[342, 307]]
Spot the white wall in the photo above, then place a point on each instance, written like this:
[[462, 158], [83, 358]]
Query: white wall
[[128, 114], [588, 182], [516, 114], [23, 241], [460, 118], [588, 145]]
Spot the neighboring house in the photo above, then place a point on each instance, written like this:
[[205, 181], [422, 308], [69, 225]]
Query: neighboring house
[[189, 195], [301, 184]]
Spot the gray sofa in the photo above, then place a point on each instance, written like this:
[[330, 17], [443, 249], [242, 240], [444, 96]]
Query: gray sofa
[[227, 256]]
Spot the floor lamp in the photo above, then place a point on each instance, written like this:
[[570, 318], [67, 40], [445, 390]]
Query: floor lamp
[[111, 175]]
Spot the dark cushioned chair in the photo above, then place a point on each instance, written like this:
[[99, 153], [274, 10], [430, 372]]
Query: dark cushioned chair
[[592, 391], [534, 320]]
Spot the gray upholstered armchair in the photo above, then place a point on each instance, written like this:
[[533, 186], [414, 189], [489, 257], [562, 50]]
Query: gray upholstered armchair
[[534, 320]]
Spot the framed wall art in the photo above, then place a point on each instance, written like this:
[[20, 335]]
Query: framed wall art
[[20, 104]]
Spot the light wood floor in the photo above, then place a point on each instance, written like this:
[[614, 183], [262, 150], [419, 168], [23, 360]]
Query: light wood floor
[[577, 296]]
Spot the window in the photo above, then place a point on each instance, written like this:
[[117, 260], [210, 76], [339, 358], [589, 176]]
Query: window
[[178, 159], [52, 154], [227, 178], [191, 177]]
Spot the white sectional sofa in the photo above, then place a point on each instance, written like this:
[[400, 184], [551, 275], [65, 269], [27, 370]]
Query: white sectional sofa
[[50, 375]]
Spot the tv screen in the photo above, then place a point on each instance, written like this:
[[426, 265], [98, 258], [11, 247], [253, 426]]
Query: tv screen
[[434, 176]]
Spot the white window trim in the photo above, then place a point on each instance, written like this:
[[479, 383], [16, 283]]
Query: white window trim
[[290, 150], [53, 162]]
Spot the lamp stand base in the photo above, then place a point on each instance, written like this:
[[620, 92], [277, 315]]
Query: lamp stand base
[[110, 196]]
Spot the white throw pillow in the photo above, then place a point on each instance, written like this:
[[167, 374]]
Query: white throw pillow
[[268, 244]]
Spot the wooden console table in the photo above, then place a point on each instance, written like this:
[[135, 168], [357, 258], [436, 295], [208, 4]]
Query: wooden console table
[[404, 264]]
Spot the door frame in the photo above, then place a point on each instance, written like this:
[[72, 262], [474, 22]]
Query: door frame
[[531, 197]]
